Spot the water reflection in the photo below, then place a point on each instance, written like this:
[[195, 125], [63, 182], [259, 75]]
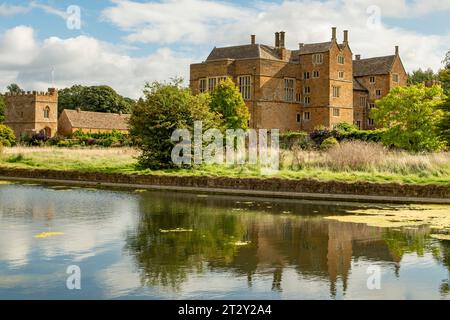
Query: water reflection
[[223, 247]]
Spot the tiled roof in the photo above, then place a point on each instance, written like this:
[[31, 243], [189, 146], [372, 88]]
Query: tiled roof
[[243, 52], [315, 47], [373, 66], [255, 51], [97, 120], [358, 86]]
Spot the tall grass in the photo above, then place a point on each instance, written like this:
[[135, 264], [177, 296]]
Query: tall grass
[[349, 161]]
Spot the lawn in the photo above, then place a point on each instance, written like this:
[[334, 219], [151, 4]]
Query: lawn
[[349, 162]]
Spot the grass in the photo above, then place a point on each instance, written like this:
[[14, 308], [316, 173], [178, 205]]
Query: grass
[[349, 162]]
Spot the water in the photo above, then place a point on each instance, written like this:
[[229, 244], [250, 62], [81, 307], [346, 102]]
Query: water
[[237, 248]]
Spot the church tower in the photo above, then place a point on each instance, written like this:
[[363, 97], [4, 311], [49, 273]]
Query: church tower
[[32, 112]]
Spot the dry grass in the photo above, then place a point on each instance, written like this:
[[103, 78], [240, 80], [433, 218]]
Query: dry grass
[[350, 161]]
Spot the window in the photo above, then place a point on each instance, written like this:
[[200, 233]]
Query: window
[[317, 58], [340, 59], [336, 112], [289, 89], [395, 77], [358, 124], [315, 74], [298, 97], [212, 82], [221, 79], [307, 100], [202, 85], [362, 101], [306, 116], [370, 122], [372, 79], [307, 90], [378, 93], [245, 87], [47, 112], [341, 74], [336, 92], [305, 75], [298, 117], [371, 106]]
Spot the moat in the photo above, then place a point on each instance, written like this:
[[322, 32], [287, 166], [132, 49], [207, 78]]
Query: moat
[[161, 245]]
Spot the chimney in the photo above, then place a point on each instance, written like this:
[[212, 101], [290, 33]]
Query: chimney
[[253, 39], [346, 36], [282, 38], [333, 33], [396, 50], [358, 57], [300, 45], [277, 39]]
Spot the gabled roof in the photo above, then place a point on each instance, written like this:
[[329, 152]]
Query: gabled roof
[[248, 51], [309, 48], [358, 86], [373, 66], [261, 51], [97, 120]]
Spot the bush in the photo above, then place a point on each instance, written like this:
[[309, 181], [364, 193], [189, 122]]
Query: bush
[[292, 139], [7, 137], [165, 108], [363, 135], [329, 143], [320, 134]]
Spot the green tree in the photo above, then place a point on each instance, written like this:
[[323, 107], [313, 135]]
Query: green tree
[[7, 137], [165, 108], [227, 100], [444, 126], [14, 88], [94, 98], [419, 76], [411, 116], [2, 109]]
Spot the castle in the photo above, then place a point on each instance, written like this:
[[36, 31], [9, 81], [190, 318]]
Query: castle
[[319, 84]]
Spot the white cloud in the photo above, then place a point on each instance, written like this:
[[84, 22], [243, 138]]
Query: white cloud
[[82, 60], [217, 23], [11, 10]]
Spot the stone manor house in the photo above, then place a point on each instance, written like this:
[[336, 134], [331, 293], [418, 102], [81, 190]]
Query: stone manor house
[[317, 84]]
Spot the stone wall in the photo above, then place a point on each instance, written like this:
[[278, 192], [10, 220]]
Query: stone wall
[[253, 184]]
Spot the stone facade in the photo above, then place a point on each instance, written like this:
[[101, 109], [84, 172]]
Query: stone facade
[[296, 89], [32, 112]]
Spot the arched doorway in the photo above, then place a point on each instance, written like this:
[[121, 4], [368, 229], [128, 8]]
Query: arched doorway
[[47, 132]]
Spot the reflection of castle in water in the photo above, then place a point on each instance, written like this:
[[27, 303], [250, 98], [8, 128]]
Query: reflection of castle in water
[[278, 239]]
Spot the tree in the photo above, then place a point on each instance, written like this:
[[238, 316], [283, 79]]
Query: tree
[[165, 108], [14, 88], [446, 60], [2, 109], [411, 116], [7, 137], [419, 76], [444, 126], [227, 100], [94, 98]]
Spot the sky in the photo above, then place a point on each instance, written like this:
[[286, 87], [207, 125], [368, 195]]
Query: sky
[[126, 43]]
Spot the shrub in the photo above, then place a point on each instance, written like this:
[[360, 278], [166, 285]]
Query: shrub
[[320, 134], [7, 137], [329, 143], [363, 135], [293, 139], [165, 108]]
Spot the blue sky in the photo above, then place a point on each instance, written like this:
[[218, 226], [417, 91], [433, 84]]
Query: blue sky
[[125, 43]]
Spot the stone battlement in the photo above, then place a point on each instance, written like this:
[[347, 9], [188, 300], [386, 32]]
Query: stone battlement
[[50, 92]]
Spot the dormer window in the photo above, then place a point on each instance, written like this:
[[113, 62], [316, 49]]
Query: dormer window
[[47, 112], [340, 59]]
